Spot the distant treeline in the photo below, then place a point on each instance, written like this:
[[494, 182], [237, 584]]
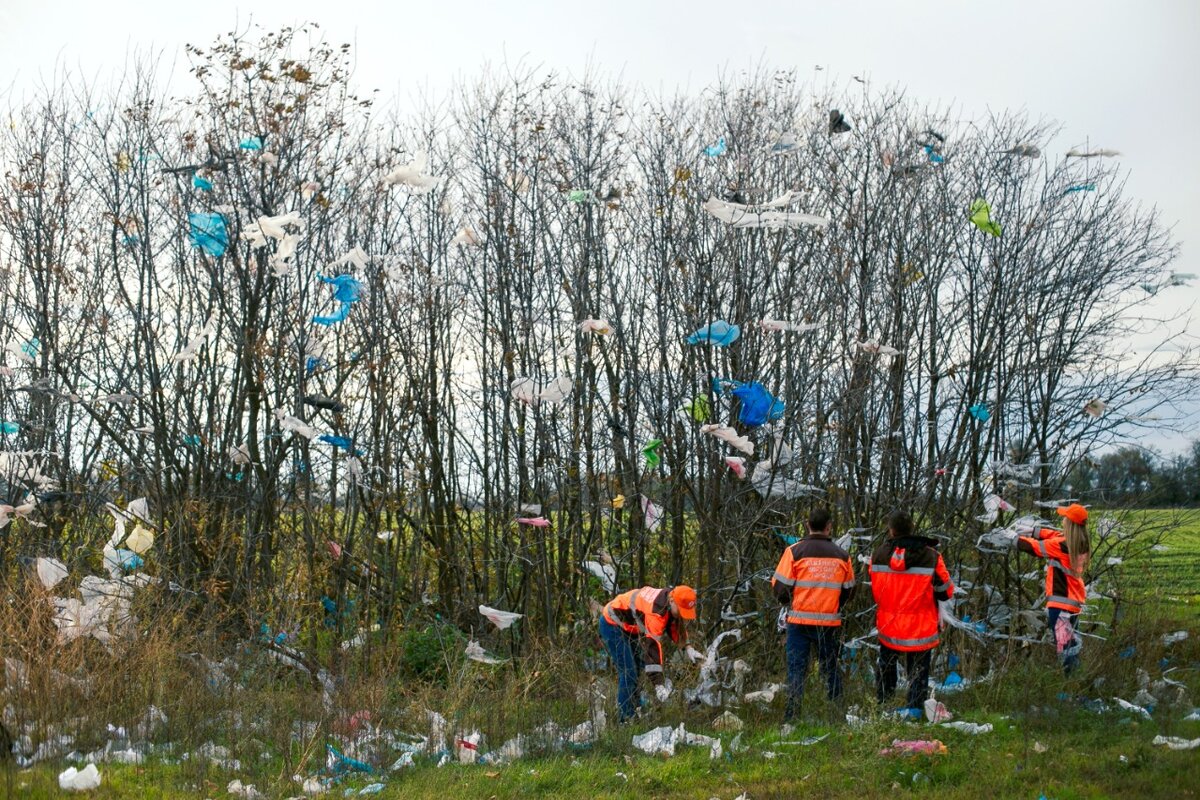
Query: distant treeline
[[1140, 477]]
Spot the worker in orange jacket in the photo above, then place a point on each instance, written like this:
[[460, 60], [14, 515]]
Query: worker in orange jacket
[[1067, 553], [908, 579], [814, 579], [633, 626]]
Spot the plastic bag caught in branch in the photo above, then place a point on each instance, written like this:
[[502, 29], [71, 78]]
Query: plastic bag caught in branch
[[719, 333], [763, 215], [730, 437], [192, 348], [652, 513], [208, 232], [533, 394], [412, 175], [769, 484], [778, 326], [605, 572], [501, 619], [50, 571]]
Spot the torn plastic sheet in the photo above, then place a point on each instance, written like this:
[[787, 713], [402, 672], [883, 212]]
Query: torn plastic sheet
[[501, 619], [79, 780], [973, 728], [1176, 743], [605, 572], [712, 670], [475, 652], [765, 695], [664, 740], [768, 484]]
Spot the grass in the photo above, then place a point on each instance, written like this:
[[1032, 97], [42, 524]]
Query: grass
[[1046, 741], [1086, 756]]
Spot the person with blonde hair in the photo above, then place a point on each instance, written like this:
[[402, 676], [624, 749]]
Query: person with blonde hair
[[1067, 553]]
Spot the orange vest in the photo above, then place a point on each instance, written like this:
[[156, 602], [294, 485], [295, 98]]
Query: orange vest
[[814, 576], [645, 613], [1064, 586], [908, 578]]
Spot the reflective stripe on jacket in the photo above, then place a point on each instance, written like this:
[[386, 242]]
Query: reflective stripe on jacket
[[646, 613], [814, 578], [908, 578], [1064, 587]]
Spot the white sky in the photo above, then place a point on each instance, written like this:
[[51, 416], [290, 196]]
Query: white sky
[[1124, 75]]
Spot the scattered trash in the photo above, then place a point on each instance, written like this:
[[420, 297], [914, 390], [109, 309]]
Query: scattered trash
[[1125, 704], [475, 652], [728, 721], [238, 789], [664, 740], [936, 711], [912, 747], [79, 780], [1172, 638], [1175, 743], [972, 728], [501, 619]]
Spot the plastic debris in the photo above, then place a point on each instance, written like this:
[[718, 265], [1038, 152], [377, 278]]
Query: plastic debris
[[730, 437], [475, 652], [208, 233], [664, 740], [1136, 709], [981, 216], [50, 571], [501, 619], [1176, 743], [412, 175], [914, 747], [79, 780], [534, 394], [728, 721], [972, 728], [719, 333], [239, 789], [763, 215], [936, 711], [652, 513], [605, 572], [1172, 638], [765, 695]]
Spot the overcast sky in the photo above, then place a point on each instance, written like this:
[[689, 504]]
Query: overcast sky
[[1124, 75]]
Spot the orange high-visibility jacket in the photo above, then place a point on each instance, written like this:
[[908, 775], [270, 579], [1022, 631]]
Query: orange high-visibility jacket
[[815, 578], [908, 578], [1064, 586], [646, 613]]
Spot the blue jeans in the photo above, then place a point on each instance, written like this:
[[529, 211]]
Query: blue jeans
[[800, 641], [1071, 661], [627, 661]]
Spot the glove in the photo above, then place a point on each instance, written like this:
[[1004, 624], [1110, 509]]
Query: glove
[[663, 691]]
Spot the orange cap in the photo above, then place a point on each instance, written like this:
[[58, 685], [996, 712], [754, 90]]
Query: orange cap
[[685, 599], [1074, 512]]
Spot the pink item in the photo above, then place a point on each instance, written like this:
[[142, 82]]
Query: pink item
[[914, 747], [537, 522], [1064, 634], [737, 464]]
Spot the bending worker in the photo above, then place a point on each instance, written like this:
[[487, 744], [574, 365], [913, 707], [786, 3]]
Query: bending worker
[[633, 626], [1067, 553], [908, 579], [814, 579]]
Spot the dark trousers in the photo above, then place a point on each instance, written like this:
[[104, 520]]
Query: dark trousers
[[1069, 660], [915, 664], [626, 658], [800, 641]]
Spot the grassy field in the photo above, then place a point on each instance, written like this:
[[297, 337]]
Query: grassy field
[[1086, 755], [1049, 739]]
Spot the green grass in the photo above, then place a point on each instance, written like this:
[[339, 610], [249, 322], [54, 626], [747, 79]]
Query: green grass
[[1087, 756], [1170, 579]]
